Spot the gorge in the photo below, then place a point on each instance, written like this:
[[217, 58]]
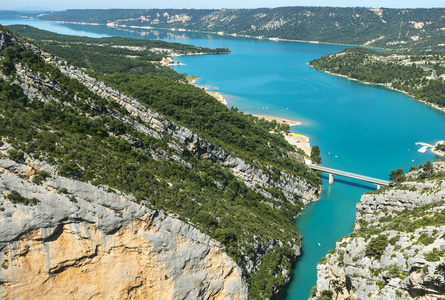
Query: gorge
[[297, 95]]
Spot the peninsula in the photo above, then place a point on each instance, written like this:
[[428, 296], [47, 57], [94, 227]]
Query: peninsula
[[419, 76]]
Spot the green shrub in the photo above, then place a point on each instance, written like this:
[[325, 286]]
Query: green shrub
[[341, 255], [16, 198], [394, 271], [376, 246], [434, 255], [394, 239], [70, 169], [313, 291], [16, 155], [381, 284], [326, 295], [40, 176], [323, 261]]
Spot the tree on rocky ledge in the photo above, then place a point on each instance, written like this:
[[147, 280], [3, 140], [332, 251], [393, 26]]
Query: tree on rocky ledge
[[397, 175]]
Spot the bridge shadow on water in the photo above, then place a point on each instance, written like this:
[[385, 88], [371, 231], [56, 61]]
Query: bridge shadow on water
[[350, 182]]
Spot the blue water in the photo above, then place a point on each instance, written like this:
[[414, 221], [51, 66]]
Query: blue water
[[359, 128]]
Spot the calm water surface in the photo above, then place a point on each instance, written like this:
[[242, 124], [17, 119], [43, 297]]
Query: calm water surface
[[364, 129]]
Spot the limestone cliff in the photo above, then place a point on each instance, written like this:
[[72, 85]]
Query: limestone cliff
[[397, 248], [111, 244], [81, 241]]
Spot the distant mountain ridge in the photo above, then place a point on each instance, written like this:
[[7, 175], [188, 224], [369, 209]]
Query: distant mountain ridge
[[417, 30]]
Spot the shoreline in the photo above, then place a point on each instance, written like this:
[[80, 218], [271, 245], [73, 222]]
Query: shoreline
[[218, 96], [295, 139], [299, 141], [279, 120], [273, 39], [437, 152], [435, 106]]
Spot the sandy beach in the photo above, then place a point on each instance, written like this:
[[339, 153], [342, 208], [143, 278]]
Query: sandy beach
[[295, 139], [279, 120], [218, 97], [299, 141]]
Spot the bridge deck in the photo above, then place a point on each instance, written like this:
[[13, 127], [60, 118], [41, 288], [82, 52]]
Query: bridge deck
[[350, 175]]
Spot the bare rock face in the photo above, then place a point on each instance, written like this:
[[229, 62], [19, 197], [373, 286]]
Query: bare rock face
[[396, 248], [6, 39], [85, 242]]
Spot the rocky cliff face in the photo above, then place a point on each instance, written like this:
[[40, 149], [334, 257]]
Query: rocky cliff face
[[104, 242], [397, 246]]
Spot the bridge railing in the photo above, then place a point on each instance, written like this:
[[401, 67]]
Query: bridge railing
[[332, 172]]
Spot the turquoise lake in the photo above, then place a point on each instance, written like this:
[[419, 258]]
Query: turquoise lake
[[359, 128]]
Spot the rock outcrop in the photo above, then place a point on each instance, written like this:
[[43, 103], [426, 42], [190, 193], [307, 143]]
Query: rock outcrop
[[104, 242], [397, 246]]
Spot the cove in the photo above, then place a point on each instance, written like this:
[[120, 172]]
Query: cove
[[364, 129]]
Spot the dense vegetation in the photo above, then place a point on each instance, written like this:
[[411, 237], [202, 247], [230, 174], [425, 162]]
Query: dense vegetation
[[242, 135], [401, 72], [113, 54], [85, 136], [416, 30], [441, 147]]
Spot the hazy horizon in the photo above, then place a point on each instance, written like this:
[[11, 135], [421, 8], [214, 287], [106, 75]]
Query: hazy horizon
[[49, 5]]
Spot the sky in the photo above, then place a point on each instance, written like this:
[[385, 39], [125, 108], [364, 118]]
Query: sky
[[61, 5]]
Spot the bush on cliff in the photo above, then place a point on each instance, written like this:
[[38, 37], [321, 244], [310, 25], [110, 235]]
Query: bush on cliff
[[376, 247]]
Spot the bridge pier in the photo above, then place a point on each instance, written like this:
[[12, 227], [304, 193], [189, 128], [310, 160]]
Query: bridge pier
[[378, 182]]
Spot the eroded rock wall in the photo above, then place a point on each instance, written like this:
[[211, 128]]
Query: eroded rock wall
[[87, 242], [395, 249]]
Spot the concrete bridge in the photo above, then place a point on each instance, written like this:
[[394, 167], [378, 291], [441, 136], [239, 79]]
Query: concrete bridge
[[332, 172]]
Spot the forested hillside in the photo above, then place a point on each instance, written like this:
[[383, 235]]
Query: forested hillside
[[186, 104], [416, 30], [229, 177], [114, 54], [421, 76]]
